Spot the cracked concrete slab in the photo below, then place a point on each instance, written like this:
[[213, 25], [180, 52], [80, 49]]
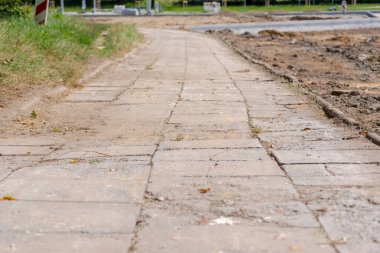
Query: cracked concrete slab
[[108, 151], [327, 156], [211, 144], [357, 143], [66, 217], [83, 182], [63, 242], [26, 150], [311, 170], [223, 188], [93, 96], [264, 167], [351, 225], [178, 233], [210, 155]]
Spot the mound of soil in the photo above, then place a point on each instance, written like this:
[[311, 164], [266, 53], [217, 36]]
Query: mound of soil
[[311, 18], [341, 66]]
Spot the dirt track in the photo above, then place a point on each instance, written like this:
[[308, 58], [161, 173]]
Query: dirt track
[[341, 66]]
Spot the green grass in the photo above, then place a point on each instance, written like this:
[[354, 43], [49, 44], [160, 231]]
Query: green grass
[[120, 38], [52, 54], [179, 137], [255, 131]]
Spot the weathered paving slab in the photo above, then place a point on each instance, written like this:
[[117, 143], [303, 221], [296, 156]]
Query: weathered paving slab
[[327, 156], [66, 217], [357, 143], [89, 182], [93, 96], [301, 137], [63, 242], [311, 170], [210, 155], [365, 247], [178, 233], [109, 151], [352, 226], [15, 162], [264, 167], [261, 188], [340, 180], [211, 144], [340, 198], [26, 150], [208, 119], [291, 124]]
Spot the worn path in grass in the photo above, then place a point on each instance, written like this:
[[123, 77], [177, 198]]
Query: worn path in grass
[[186, 147]]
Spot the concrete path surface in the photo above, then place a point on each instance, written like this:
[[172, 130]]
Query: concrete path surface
[[186, 147]]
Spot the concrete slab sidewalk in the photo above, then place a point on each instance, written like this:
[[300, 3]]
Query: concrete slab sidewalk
[[197, 151]]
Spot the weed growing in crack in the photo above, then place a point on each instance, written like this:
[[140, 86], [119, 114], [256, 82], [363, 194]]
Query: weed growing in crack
[[33, 115], [149, 67], [179, 137], [255, 130]]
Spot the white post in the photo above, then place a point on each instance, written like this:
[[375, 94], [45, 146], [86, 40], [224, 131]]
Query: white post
[[62, 7], [148, 7], [94, 4], [157, 6]]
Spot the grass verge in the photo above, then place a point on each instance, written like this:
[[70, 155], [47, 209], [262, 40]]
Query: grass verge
[[120, 38], [53, 54]]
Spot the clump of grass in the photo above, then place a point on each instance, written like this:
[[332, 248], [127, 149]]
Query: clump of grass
[[179, 137], [255, 130], [292, 86], [120, 38], [33, 115]]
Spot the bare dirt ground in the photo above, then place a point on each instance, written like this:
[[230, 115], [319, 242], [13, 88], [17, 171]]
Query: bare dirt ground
[[341, 66], [170, 21], [223, 18]]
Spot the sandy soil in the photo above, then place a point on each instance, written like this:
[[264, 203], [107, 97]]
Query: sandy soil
[[223, 18], [341, 66], [170, 21]]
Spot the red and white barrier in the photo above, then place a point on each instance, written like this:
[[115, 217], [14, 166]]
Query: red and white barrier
[[41, 11]]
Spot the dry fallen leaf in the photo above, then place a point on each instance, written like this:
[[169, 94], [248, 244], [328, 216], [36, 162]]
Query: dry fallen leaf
[[306, 129], [203, 220], [204, 190], [7, 198], [74, 161], [295, 248]]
